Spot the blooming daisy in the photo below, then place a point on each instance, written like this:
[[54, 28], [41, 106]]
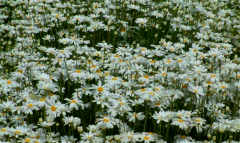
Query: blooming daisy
[[133, 116], [146, 138], [106, 122], [141, 21], [181, 123], [198, 90]]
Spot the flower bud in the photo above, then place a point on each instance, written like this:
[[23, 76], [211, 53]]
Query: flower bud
[[214, 138], [227, 109], [80, 129], [209, 136], [40, 120], [221, 129], [117, 137]]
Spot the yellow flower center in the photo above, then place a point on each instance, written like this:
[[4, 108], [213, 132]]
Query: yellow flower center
[[78, 71], [143, 49], [143, 89], [9, 82], [151, 133], [152, 61], [3, 130], [53, 108], [180, 120], [30, 105], [121, 103], [122, 30], [180, 60], [42, 99], [195, 90], [183, 137], [146, 138], [27, 140], [73, 101], [116, 56], [209, 82], [146, 76], [20, 71], [184, 86], [100, 89], [57, 15], [135, 114], [17, 132], [152, 93], [105, 120], [198, 120], [213, 75], [157, 89], [223, 86], [114, 78], [164, 74], [165, 44]]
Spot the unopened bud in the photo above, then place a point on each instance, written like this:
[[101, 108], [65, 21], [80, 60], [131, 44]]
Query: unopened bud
[[117, 137], [214, 138], [209, 136], [227, 108], [80, 129], [221, 129], [40, 120]]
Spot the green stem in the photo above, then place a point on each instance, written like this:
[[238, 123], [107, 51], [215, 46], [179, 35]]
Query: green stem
[[145, 121]]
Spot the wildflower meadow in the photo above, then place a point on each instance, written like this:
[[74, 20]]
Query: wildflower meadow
[[119, 71]]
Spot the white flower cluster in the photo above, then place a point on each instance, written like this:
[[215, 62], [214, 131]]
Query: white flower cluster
[[119, 71]]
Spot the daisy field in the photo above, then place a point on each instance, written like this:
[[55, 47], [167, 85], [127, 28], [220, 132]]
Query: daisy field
[[119, 71]]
